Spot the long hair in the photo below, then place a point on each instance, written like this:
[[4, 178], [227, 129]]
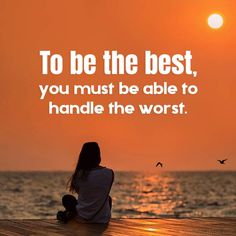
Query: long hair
[[89, 157]]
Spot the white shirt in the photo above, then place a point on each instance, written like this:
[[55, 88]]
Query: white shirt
[[93, 192]]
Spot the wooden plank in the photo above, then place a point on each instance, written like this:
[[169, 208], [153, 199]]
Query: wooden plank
[[118, 227]]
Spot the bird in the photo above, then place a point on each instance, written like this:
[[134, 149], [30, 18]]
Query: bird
[[159, 164], [222, 161]]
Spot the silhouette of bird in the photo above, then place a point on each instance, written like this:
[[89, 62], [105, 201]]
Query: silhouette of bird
[[159, 164], [222, 161]]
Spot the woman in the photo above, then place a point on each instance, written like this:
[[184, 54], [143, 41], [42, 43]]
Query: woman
[[92, 183]]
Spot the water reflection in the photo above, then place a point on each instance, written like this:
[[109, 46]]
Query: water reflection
[[175, 194], [135, 194]]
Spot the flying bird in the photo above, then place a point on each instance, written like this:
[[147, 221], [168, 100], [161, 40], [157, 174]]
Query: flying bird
[[159, 164], [222, 161]]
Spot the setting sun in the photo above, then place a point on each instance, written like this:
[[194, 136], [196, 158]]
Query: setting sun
[[215, 21]]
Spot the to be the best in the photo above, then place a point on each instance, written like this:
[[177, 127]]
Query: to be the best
[[116, 63]]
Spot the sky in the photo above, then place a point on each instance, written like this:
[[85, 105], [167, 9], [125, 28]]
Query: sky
[[31, 139]]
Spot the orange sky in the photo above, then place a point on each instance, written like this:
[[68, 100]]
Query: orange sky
[[31, 139]]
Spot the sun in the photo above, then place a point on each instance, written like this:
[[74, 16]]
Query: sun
[[215, 21]]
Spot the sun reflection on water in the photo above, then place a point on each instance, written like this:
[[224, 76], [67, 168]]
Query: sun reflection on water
[[170, 194], [134, 194]]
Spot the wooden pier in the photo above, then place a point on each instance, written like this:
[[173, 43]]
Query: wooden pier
[[118, 227]]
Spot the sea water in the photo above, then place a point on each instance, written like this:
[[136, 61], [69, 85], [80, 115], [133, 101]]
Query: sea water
[[135, 194]]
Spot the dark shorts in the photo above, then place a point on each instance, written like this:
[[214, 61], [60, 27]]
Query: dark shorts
[[70, 202]]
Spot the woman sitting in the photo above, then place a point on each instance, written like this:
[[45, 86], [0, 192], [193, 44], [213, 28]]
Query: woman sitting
[[92, 183]]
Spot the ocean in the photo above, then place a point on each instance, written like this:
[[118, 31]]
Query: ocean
[[37, 195]]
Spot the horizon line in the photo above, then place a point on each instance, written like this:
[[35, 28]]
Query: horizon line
[[118, 170]]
